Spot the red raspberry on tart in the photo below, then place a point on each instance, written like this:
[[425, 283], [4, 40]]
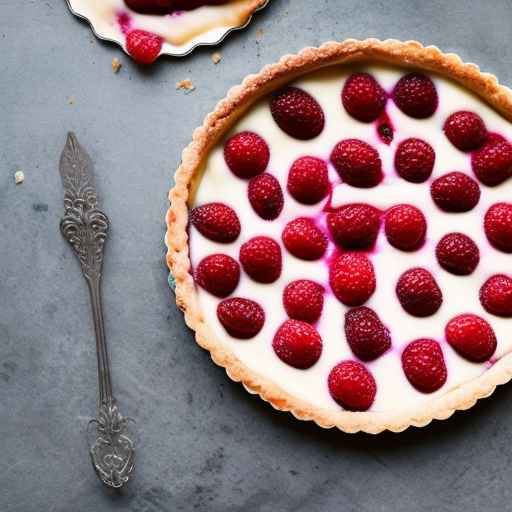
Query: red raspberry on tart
[[308, 180], [297, 113], [352, 386], [405, 227], [303, 300], [216, 221], [352, 278], [304, 239], [357, 163], [298, 344], [394, 251], [354, 226], [424, 365], [242, 318], [363, 98], [472, 337]]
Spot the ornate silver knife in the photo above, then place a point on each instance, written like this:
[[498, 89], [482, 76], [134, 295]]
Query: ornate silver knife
[[85, 227]]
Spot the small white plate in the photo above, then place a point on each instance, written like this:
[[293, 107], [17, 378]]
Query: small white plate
[[210, 38]]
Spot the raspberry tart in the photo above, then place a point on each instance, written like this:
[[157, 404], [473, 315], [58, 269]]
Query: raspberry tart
[[340, 232], [148, 28]]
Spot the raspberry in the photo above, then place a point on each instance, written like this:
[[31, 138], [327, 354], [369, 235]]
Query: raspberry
[[367, 336], [352, 278], [457, 254], [455, 192], [266, 196], [405, 227], [143, 46], [496, 295], [357, 163], [352, 386], [298, 344], [414, 160], [424, 366], [216, 221], [261, 259], [297, 113], [303, 300], [498, 226], [354, 226], [492, 163], [242, 318], [304, 240], [418, 292], [246, 154], [415, 95], [150, 6], [465, 130], [363, 97], [219, 274], [308, 180], [472, 337]]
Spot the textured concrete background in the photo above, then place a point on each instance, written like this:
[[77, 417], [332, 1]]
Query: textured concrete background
[[205, 444]]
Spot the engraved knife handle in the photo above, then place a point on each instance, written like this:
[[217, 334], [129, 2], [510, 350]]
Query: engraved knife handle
[[86, 227]]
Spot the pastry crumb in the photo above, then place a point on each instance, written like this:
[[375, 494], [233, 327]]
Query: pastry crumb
[[71, 100], [116, 65], [19, 177], [186, 85], [259, 34], [216, 57]]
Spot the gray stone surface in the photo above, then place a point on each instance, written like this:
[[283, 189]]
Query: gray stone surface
[[205, 444]]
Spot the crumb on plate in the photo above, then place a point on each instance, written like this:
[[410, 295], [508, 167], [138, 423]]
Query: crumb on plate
[[116, 65], [216, 57], [186, 85], [19, 177]]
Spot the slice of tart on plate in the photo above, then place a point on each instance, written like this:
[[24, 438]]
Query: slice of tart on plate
[[340, 233], [149, 28]]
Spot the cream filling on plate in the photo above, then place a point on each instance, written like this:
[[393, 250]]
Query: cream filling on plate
[[460, 294], [179, 30]]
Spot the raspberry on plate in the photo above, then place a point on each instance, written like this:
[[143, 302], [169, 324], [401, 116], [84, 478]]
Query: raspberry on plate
[[352, 386], [357, 163], [465, 130], [457, 254], [496, 295], [216, 221], [298, 344], [455, 192], [304, 239], [261, 259], [418, 292], [218, 273], [266, 196], [242, 318], [405, 227], [308, 180], [143, 46], [303, 300], [498, 226], [363, 98], [297, 113], [414, 160], [472, 337], [150, 6], [424, 366], [352, 278], [415, 95], [246, 154], [367, 336], [492, 163], [354, 226]]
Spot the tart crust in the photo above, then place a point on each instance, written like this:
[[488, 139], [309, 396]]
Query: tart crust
[[410, 54]]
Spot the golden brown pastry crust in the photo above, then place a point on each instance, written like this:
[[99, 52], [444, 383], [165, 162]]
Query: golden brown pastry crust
[[404, 54]]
